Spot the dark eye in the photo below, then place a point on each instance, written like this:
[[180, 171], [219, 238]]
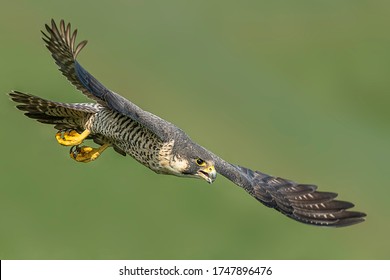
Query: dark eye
[[200, 161]]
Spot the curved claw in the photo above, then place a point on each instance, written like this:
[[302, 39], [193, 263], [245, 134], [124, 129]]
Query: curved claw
[[85, 153], [71, 137], [74, 151]]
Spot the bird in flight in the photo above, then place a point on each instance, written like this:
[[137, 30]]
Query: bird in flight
[[113, 121]]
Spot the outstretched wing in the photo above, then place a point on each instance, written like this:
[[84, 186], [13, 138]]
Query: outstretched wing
[[61, 42], [300, 202]]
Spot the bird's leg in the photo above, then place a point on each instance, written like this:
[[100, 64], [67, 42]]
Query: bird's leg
[[72, 137], [87, 154]]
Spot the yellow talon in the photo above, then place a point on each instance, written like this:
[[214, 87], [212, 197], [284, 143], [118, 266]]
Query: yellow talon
[[71, 138], [86, 154]]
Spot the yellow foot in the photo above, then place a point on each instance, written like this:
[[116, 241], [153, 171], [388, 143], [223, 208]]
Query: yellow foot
[[71, 138], [85, 153]]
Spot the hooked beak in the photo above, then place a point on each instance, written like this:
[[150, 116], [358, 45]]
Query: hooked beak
[[208, 173]]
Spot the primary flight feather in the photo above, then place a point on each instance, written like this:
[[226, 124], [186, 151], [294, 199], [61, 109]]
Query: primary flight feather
[[113, 121]]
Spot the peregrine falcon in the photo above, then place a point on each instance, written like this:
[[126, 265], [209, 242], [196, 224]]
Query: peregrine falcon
[[113, 121]]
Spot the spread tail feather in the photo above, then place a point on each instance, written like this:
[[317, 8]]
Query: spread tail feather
[[62, 115]]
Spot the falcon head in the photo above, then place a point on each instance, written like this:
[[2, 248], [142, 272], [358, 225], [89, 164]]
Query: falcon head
[[201, 168], [192, 160]]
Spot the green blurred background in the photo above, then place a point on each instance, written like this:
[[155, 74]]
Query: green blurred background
[[298, 89]]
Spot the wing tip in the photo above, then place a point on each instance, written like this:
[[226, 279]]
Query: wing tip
[[302, 202], [350, 218], [61, 38]]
